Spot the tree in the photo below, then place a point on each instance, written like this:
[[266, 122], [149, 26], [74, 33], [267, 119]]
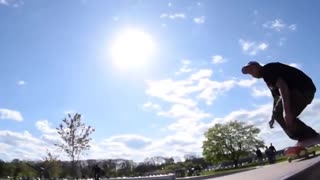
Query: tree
[[2, 168], [75, 138], [230, 141], [52, 165]]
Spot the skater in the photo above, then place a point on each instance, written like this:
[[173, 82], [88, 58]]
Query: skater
[[292, 91]]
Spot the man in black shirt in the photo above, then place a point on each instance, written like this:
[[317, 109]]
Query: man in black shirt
[[292, 91]]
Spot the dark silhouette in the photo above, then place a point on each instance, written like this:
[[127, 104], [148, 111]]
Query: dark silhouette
[[273, 153], [292, 91], [268, 154], [97, 171], [259, 155]]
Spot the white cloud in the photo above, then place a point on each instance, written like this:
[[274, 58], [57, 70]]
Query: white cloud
[[44, 127], [279, 25], [21, 83], [201, 74], [263, 46], [218, 59], [211, 89], [261, 92], [179, 111], [247, 82], [199, 20], [49, 134], [197, 87], [171, 91], [295, 65], [173, 16], [10, 115], [169, 4], [252, 47], [22, 145]]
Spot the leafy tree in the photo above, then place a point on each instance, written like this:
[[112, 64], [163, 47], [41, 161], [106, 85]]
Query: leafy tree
[[230, 141], [75, 138]]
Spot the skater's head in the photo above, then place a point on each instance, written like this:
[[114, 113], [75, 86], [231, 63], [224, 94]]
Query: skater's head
[[253, 68]]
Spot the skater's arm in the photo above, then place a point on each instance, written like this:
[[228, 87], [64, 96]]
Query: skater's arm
[[284, 91], [276, 98]]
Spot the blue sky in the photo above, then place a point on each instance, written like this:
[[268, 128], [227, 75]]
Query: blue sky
[[56, 57]]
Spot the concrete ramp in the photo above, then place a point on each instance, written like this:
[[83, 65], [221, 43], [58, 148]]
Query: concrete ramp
[[306, 169]]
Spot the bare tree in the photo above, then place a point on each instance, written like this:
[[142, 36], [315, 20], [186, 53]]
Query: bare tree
[[75, 138]]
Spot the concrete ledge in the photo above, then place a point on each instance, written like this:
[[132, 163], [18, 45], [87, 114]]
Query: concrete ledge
[[310, 173], [214, 175], [155, 177]]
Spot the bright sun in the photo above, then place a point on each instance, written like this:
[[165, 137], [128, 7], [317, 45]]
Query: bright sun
[[132, 49]]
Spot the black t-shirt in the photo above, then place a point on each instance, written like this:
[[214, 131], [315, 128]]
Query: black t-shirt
[[295, 78]]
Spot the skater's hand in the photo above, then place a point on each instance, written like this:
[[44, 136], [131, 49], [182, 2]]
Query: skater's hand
[[271, 122]]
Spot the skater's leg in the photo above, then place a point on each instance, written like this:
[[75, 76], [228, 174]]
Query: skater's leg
[[278, 116], [299, 101], [300, 130]]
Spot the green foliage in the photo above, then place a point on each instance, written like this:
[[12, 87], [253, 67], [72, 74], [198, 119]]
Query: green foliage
[[53, 165], [230, 141]]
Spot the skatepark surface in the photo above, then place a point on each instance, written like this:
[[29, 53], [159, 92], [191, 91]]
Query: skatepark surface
[[297, 169]]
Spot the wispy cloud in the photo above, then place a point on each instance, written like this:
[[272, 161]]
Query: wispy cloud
[[199, 20], [10, 115], [185, 67], [252, 47], [12, 3], [173, 16], [21, 83], [282, 41], [218, 59], [292, 27], [279, 25], [131, 141], [152, 106], [4, 2], [115, 18]]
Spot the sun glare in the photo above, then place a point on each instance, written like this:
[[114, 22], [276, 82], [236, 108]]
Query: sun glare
[[132, 49]]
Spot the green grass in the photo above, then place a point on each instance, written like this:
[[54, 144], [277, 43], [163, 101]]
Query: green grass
[[317, 148]]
